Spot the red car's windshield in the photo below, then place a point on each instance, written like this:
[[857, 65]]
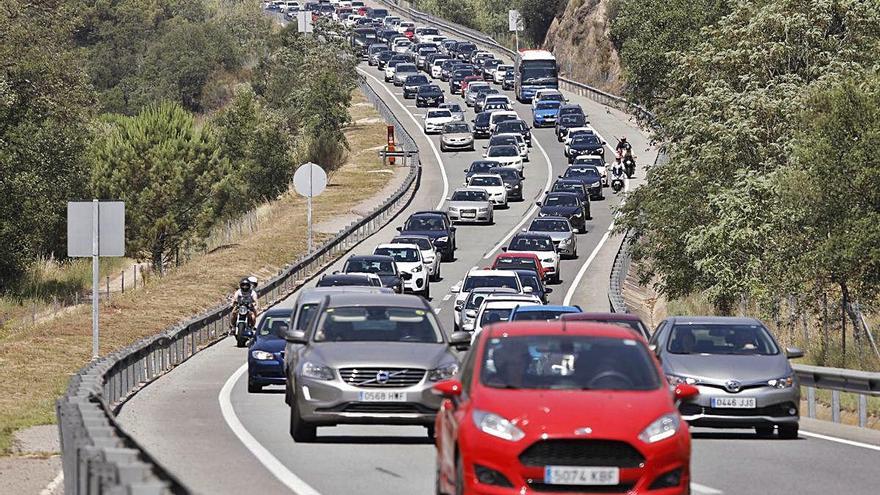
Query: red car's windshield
[[567, 362]]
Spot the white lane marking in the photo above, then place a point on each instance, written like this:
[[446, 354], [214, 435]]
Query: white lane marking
[[53, 485], [269, 461], [706, 490], [533, 209], [446, 297], [580, 275], [840, 440], [422, 129]]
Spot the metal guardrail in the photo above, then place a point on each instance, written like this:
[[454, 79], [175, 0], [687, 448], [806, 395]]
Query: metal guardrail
[[98, 456]]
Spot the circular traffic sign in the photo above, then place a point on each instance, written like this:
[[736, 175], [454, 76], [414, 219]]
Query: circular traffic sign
[[310, 180]]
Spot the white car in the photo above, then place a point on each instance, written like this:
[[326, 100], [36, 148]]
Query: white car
[[506, 155], [404, 25], [569, 134], [520, 142], [541, 245], [436, 69], [597, 162], [547, 94], [496, 100], [429, 253], [493, 184], [436, 119], [500, 116], [455, 109], [410, 264], [483, 278], [497, 309], [498, 77], [401, 46]]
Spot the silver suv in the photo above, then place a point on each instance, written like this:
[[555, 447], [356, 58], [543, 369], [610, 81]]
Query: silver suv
[[368, 359]]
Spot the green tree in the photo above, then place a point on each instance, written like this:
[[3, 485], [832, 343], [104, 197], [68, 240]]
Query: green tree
[[537, 17], [166, 169]]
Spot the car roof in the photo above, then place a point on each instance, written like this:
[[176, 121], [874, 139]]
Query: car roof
[[470, 189], [559, 327], [478, 272], [398, 300], [494, 290], [276, 312], [517, 255], [475, 176], [714, 320], [562, 193], [603, 316], [370, 257], [557, 219], [551, 307], [397, 245], [317, 294], [530, 235]]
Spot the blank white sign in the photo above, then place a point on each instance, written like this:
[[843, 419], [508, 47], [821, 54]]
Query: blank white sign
[[111, 228]]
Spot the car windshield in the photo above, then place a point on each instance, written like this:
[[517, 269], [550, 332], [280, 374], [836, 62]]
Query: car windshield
[[512, 127], [587, 172], [377, 324], [482, 167], [523, 243], [422, 242], [539, 315], [540, 225], [482, 118], [437, 114], [546, 104], [531, 280], [567, 362], [462, 73], [476, 87], [503, 150], [334, 281], [501, 140], [453, 107], [403, 68], [494, 315], [486, 181], [573, 120], [514, 263], [430, 90], [471, 283], [457, 128], [560, 200], [416, 80], [634, 325], [721, 339], [274, 326], [425, 224], [379, 267], [587, 139], [470, 196], [403, 255], [506, 173], [305, 315]]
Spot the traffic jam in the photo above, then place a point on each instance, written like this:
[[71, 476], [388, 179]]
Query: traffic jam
[[518, 395]]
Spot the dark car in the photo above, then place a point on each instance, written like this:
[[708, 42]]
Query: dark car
[[429, 95], [374, 50], [488, 66], [412, 84], [348, 280], [589, 176], [266, 354], [574, 186], [586, 144], [508, 81], [456, 78], [566, 205], [435, 225], [382, 58], [626, 320], [446, 68], [512, 182], [383, 266], [566, 122], [481, 125], [515, 127], [530, 278], [465, 49], [480, 99], [570, 109], [480, 167]]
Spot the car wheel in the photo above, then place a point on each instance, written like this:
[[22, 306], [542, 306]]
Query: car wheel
[[299, 429], [764, 431], [240, 341], [287, 392], [254, 388], [427, 292], [788, 431], [442, 147], [556, 279], [430, 433]]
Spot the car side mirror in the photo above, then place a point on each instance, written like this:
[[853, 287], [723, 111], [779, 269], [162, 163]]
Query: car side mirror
[[684, 392], [447, 388], [548, 290], [528, 290], [656, 350], [459, 305], [455, 289], [794, 352], [460, 340], [399, 229], [295, 336], [538, 203], [559, 176], [504, 249], [471, 313], [468, 327]]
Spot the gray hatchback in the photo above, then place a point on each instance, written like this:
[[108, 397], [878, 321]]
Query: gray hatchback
[[744, 377], [368, 359]]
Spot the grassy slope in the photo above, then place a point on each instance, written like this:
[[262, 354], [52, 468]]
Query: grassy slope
[[38, 361]]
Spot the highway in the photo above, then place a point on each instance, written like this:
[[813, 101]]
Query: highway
[[202, 424]]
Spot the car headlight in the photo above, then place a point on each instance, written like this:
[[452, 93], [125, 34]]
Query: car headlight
[[312, 370], [577, 215], [784, 382], [662, 428], [497, 426], [442, 239], [262, 355], [443, 373], [677, 380], [417, 269], [565, 242], [596, 184]]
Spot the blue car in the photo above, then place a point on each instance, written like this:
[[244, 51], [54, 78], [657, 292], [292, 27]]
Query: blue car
[[266, 353], [541, 313], [544, 114]]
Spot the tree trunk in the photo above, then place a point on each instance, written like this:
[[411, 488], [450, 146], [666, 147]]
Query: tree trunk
[[825, 323], [844, 300]]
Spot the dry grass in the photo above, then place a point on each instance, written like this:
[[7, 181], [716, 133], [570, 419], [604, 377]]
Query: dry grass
[[38, 362]]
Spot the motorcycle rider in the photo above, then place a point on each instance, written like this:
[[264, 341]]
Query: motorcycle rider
[[617, 171], [246, 289], [623, 146]]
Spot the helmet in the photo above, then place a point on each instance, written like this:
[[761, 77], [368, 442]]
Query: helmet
[[244, 285], [253, 280], [623, 139]]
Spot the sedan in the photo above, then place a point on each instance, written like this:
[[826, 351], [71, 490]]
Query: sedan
[[412, 83], [566, 205], [429, 95], [541, 245], [429, 253], [589, 176], [585, 144], [514, 126], [436, 119], [455, 109], [506, 155], [481, 167], [507, 426], [560, 231], [493, 185], [512, 181], [471, 205], [436, 226], [481, 125], [742, 373], [544, 114], [402, 71], [383, 266], [456, 136], [368, 359], [266, 353]]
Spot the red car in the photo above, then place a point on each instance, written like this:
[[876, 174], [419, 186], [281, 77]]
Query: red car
[[519, 261], [466, 81], [626, 320], [553, 407]]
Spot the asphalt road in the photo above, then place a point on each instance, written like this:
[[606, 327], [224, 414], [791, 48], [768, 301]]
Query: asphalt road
[[202, 424]]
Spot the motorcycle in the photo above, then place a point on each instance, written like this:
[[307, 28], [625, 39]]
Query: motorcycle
[[629, 164], [617, 182], [243, 329]]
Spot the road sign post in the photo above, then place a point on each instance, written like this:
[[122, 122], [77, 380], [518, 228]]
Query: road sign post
[[309, 180], [95, 228], [304, 22], [514, 24]]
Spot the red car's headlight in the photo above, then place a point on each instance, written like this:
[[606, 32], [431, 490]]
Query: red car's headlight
[[497, 426], [662, 428]]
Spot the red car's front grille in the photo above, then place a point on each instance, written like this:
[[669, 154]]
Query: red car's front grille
[[563, 452]]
